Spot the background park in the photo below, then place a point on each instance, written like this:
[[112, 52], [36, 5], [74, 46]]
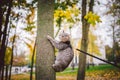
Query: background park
[[93, 26]]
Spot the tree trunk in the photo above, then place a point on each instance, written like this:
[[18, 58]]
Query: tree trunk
[[1, 21], [11, 61], [84, 42], [3, 44], [114, 47], [91, 4], [45, 52], [6, 72], [32, 61], [82, 57]]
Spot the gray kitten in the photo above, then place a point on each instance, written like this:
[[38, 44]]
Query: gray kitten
[[65, 54]]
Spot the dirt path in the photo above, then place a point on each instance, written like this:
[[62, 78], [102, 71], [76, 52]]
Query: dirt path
[[65, 78]]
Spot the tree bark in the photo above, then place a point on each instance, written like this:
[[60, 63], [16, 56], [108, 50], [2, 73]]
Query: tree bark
[[113, 47], [3, 44], [6, 72], [84, 42], [1, 21], [32, 61], [11, 61], [45, 52], [91, 4]]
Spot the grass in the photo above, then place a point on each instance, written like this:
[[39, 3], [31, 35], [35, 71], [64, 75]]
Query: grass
[[107, 67], [102, 71], [102, 67]]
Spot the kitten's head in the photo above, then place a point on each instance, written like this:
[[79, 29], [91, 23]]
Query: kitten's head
[[64, 37]]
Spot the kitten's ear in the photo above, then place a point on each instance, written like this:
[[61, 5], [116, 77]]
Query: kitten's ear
[[63, 31]]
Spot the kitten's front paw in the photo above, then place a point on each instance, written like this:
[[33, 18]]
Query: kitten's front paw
[[49, 37], [53, 66]]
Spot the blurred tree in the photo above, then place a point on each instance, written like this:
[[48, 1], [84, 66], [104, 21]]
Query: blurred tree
[[7, 61], [114, 11], [31, 48], [4, 39], [45, 52], [86, 21], [84, 43], [12, 53], [117, 52], [7, 56], [110, 55], [32, 62], [19, 60], [10, 13], [92, 48]]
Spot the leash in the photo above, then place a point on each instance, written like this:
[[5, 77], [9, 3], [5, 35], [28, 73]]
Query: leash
[[98, 58]]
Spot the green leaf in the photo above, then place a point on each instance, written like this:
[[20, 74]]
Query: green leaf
[[92, 18]]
